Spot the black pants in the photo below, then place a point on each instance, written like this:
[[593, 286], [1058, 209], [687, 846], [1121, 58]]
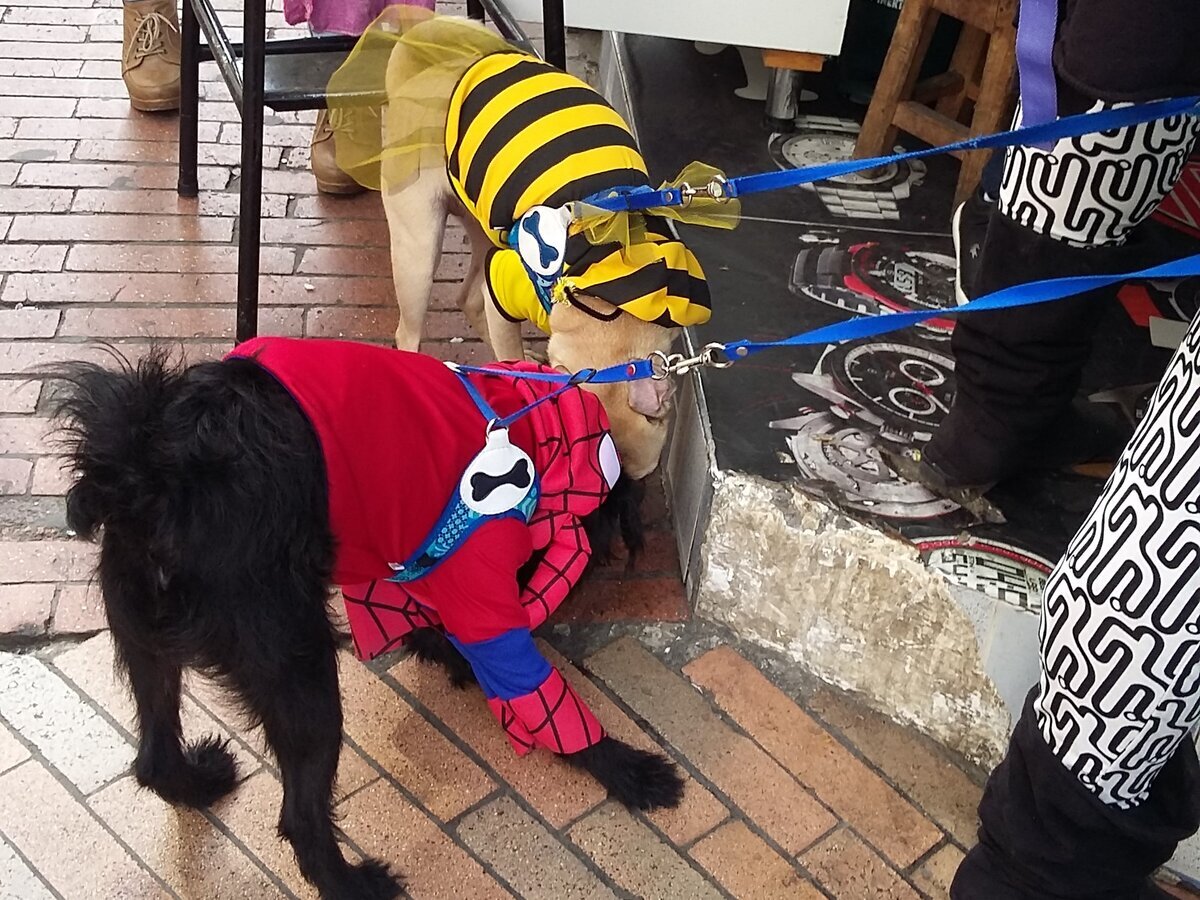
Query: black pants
[[1074, 210]]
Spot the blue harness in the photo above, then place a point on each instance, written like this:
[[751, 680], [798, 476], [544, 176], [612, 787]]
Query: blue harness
[[469, 508]]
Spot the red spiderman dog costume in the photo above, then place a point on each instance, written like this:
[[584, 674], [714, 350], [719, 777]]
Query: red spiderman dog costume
[[454, 508], [397, 431]]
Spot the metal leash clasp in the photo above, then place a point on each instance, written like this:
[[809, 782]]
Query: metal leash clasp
[[717, 189], [712, 356]]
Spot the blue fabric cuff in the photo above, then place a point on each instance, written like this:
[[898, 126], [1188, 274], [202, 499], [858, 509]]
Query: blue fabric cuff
[[508, 666]]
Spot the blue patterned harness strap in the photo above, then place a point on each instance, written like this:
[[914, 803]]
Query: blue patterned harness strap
[[499, 483]]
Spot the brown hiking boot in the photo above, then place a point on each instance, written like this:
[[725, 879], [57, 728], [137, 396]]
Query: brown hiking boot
[[330, 178], [150, 54]]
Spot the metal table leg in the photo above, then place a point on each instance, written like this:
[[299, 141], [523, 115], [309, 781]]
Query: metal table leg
[[555, 30], [189, 101], [783, 93], [249, 216]]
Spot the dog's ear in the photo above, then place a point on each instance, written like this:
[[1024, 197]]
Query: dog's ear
[[85, 507], [106, 420]]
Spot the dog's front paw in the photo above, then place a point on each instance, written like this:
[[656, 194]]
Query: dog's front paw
[[639, 779], [368, 880]]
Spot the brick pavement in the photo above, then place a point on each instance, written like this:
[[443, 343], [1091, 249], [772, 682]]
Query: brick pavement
[[783, 799]]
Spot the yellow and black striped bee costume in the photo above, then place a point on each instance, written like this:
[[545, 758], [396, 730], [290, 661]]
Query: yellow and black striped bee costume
[[514, 132]]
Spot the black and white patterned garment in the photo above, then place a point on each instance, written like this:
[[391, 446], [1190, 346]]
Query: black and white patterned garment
[[1120, 631], [1090, 191]]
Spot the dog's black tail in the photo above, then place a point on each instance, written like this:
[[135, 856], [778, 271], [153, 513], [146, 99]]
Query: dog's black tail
[[107, 420]]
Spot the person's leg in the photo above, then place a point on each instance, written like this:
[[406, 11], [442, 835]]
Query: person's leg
[[342, 18], [150, 54], [1101, 781], [1066, 211]]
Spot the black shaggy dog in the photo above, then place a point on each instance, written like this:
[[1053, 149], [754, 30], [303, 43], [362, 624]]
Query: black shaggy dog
[[207, 490]]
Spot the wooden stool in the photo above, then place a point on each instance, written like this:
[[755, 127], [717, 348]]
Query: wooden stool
[[981, 71]]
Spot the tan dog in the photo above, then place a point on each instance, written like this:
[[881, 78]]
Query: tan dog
[[477, 130]]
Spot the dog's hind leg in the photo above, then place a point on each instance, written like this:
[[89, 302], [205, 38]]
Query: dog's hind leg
[[416, 216], [298, 703], [470, 298], [504, 335], [197, 775]]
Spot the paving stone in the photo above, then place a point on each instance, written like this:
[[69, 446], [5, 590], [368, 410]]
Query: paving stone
[[251, 813], [847, 867], [610, 596], [51, 476], [91, 668], [1179, 890], [746, 866], [533, 861], [942, 790], [23, 561], [12, 751], [740, 769], [854, 792], [181, 321], [25, 608], [411, 750], [14, 475], [169, 257], [387, 826], [19, 396], [24, 435], [180, 845], [72, 736], [936, 873], [79, 610], [698, 812], [559, 792], [17, 880], [354, 772], [38, 813], [633, 857]]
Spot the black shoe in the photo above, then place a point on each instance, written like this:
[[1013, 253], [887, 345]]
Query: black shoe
[[913, 465], [968, 227]]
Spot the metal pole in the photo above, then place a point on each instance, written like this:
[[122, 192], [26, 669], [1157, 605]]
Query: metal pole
[[189, 102], [555, 30], [250, 213]]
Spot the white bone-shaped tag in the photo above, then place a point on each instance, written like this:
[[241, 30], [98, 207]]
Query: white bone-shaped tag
[[542, 239], [498, 478]]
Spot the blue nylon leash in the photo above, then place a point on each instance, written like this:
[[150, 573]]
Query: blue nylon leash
[[871, 326], [1018, 295], [635, 370], [583, 376], [641, 198]]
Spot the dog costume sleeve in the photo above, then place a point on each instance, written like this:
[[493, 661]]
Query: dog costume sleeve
[[484, 615], [562, 563]]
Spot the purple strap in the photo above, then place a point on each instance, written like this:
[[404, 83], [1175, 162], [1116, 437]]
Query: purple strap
[[1036, 27]]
